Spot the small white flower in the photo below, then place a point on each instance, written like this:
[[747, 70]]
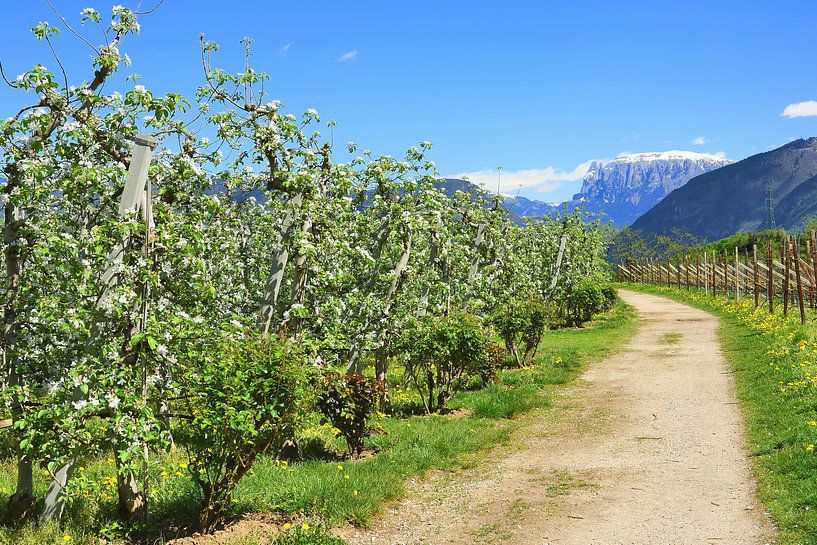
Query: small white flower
[[140, 89]]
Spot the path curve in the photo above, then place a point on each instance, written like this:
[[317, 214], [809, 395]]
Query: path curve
[[646, 448]]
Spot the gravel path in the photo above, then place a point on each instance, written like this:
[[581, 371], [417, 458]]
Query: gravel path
[[646, 448]]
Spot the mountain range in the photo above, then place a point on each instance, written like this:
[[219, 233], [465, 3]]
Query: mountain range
[[623, 189], [733, 198], [619, 190]]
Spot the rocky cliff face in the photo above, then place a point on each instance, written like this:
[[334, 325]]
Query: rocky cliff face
[[731, 199], [631, 184]]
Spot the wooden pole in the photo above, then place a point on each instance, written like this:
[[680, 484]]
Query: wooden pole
[[770, 277], [678, 270], [810, 277], [706, 275], [814, 264], [737, 275], [756, 287], [698, 272], [714, 274], [686, 269], [786, 264], [799, 282]]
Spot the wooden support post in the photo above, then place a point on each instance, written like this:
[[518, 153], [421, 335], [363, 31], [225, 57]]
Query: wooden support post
[[786, 265], [737, 274], [810, 277], [669, 274], [714, 274], [706, 275], [698, 272], [814, 264], [770, 279], [686, 269], [756, 287], [796, 258]]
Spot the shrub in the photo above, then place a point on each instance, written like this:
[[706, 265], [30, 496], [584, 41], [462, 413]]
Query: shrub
[[243, 398], [583, 300], [521, 324], [496, 361], [439, 351], [347, 402], [609, 294]]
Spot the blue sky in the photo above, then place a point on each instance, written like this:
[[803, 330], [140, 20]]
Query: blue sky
[[537, 87]]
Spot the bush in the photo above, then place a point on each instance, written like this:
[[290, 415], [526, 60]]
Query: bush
[[521, 324], [439, 351], [496, 361], [583, 300], [243, 398], [347, 402], [609, 294]]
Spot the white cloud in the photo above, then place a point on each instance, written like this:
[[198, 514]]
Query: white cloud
[[348, 56], [700, 141], [800, 109], [284, 49], [542, 180]]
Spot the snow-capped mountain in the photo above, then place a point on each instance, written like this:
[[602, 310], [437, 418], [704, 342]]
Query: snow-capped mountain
[[628, 186]]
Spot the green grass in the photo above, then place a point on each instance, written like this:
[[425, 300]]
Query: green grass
[[670, 338], [502, 401], [777, 421], [334, 493]]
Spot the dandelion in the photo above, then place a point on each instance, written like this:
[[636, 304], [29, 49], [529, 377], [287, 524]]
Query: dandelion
[[287, 526], [355, 493], [340, 468], [810, 447], [305, 526], [66, 538], [346, 476]]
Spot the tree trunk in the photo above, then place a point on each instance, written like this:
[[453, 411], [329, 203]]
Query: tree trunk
[[22, 503], [276, 276], [398, 270]]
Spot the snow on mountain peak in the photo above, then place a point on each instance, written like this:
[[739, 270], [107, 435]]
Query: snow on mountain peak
[[671, 155]]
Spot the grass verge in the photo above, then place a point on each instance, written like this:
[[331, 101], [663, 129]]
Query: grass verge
[[774, 360]]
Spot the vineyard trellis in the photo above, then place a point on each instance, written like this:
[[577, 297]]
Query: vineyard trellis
[[786, 278]]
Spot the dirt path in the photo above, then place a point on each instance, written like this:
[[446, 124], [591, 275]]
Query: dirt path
[[647, 448]]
